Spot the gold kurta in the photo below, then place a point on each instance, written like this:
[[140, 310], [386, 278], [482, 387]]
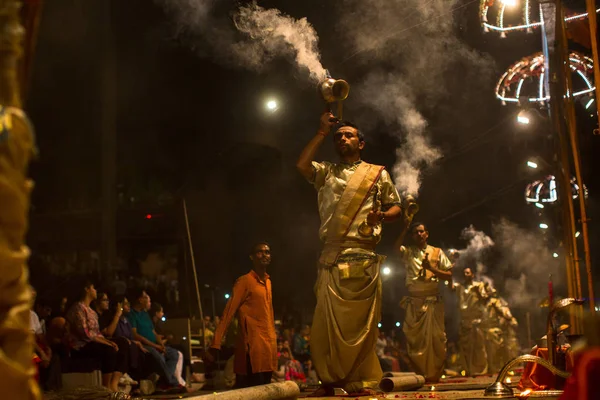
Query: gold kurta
[[424, 321], [471, 301], [330, 180], [348, 292]]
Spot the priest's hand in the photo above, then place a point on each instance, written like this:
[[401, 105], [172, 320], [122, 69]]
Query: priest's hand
[[374, 217], [326, 123]]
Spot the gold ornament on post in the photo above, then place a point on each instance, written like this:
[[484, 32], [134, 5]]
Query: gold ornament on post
[[334, 91]]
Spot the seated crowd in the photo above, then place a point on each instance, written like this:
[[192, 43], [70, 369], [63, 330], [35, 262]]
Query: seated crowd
[[119, 336], [122, 336]]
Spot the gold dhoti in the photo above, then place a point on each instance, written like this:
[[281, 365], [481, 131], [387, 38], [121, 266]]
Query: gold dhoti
[[424, 329], [344, 330], [472, 346]]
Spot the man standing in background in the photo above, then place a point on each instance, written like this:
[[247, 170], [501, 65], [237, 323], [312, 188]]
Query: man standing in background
[[426, 266], [256, 346], [472, 297]]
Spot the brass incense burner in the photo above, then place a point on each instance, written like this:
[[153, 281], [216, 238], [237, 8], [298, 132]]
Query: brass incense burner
[[334, 91]]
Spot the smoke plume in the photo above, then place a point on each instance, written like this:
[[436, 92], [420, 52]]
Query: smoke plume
[[278, 34], [267, 34], [473, 256], [527, 256], [417, 44], [479, 242]]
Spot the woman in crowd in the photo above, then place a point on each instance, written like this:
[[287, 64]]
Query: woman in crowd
[[113, 325], [86, 340]]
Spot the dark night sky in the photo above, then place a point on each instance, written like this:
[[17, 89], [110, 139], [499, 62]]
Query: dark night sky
[[187, 122]]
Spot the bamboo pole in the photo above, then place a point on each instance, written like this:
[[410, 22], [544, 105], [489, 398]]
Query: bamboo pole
[[574, 142], [591, 10], [401, 383], [191, 247], [274, 391], [16, 148]]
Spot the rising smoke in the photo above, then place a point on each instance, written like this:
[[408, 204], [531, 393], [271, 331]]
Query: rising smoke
[[278, 34], [410, 47], [518, 252], [474, 255], [525, 254], [267, 34], [417, 42]]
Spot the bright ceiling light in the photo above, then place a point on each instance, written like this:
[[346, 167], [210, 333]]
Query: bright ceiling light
[[271, 105], [523, 119]]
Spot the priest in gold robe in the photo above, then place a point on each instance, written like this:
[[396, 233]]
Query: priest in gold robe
[[354, 198], [472, 298], [426, 266]]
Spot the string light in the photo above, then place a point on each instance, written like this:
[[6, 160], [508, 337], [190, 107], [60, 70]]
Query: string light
[[506, 8], [545, 191], [528, 74]]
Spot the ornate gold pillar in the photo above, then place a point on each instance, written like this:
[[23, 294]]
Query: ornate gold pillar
[[16, 148]]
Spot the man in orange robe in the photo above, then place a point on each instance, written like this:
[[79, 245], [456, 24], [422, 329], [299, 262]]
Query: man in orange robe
[[256, 345]]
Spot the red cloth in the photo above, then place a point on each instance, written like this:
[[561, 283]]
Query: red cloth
[[537, 377], [581, 385]]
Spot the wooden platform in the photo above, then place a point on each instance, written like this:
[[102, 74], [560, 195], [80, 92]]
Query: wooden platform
[[450, 388]]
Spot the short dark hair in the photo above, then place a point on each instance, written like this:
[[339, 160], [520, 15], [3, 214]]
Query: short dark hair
[[253, 248], [135, 294], [415, 224], [359, 133]]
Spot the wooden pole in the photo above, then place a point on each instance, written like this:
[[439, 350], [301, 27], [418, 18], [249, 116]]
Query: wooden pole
[[574, 142], [191, 247], [108, 133], [555, 76], [528, 323], [274, 391], [401, 383], [591, 10]]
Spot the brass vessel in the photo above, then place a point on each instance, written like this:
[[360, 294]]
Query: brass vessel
[[334, 91]]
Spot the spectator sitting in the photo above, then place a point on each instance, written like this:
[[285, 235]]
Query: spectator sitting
[[291, 368], [380, 346], [88, 342], [111, 318], [143, 330], [302, 344], [311, 375], [157, 313], [48, 366]]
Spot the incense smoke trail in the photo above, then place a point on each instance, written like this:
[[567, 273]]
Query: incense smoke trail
[[278, 33], [526, 254], [416, 42], [479, 242], [473, 256], [268, 34]]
